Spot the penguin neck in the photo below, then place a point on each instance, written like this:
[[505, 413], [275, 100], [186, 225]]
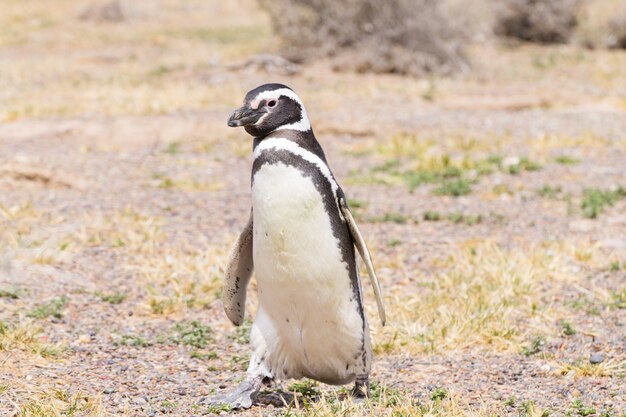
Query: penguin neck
[[305, 140]]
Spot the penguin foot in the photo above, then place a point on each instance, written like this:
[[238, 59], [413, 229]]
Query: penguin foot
[[361, 387], [242, 397]]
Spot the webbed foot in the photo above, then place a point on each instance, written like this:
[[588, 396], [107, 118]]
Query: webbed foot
[[361, 387], [242, 397]]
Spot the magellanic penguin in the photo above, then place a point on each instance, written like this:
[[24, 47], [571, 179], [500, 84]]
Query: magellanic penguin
[[300, 241]]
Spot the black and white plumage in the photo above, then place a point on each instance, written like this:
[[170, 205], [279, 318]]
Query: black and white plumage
[[300, 241]]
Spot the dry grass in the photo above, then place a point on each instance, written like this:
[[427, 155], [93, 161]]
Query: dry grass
[[22, 399], [485, 296], [174, 275], [26, 336], [153, 74], [391, 402], [583, 368]]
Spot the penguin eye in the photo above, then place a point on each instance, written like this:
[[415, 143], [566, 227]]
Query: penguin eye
[[271, 103]]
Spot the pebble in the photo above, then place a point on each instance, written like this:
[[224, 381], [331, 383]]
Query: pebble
[[596, 358]]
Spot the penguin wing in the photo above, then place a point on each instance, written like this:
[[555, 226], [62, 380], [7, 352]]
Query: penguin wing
[[238, 273], [359, 242]]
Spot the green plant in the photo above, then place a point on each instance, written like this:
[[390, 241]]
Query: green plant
[[619, 299], [52, 308], [566, 160], [204, 356], [191, 334], [524, 164], [454, 188], [113, 298], [581, 409], [567, 328], [431, 216], [219, 408], [130, 339], [548, 191], [12, 294], [306, 387], [241, 334], [392, 243], [535, 346], [595, 200], [172, 148], [439, 394]]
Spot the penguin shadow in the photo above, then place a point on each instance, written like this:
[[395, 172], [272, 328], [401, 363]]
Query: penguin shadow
[[276, 398], [302, 396]]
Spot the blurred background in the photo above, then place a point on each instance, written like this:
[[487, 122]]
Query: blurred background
[[481, 144]]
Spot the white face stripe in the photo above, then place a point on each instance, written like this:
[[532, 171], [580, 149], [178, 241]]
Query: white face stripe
[[301, 125], [294, 148]]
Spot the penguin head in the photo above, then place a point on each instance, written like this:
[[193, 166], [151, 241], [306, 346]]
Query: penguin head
[[270, 107]]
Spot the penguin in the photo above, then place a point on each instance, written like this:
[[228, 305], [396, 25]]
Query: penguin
[[300, 242]]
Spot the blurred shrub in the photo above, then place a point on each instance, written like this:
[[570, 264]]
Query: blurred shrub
[[395, 36], [110, 11], [617, 31], [544, 21]]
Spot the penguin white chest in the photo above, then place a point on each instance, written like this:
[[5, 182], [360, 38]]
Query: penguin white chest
[[306, 297]]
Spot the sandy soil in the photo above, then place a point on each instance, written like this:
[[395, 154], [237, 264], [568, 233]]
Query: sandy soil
[[145, 204]]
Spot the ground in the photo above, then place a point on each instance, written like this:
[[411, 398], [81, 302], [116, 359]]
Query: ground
[[491, 203]]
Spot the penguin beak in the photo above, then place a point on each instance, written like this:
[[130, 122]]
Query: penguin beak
[[244, 116]]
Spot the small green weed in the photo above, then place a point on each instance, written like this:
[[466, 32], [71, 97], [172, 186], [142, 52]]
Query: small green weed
[[454, 188], [169, 404], [306, 388], [392, 243], [566, 160], [510, 402], [52, 308], [594, 200], [535, 346], [619, 299], [353, 203], [12, 294], [581, 409], [172, 148], [391, 217], [431, 216], [204, 356], [193, 334], [567, 328], [112, 298], [130, 339], [524, 164], [219, 408], [241, 334], [439, 394], [550, 192]]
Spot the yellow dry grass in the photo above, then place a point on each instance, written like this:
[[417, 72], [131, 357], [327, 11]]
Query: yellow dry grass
[[583, 368], [23, 399], [25, 336], [158, 58], [394, 403], [172, 275], [482, 296]]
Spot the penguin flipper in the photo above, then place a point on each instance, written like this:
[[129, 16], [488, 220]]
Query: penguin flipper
[[238, 273], [359, 242]]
